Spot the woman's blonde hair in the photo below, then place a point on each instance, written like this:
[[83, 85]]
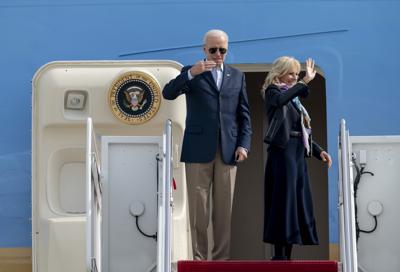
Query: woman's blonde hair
[[280, 67]]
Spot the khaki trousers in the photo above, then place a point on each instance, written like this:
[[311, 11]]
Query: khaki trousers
[[200, 178]]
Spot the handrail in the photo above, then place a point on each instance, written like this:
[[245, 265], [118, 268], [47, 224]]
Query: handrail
[[348, 247], [165, 204], [97, 160], [93, 200]]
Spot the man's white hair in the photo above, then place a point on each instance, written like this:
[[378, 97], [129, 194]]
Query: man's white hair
[[215, 33]]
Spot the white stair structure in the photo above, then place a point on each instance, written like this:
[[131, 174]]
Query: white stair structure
[[128, 187], [368, 204], [100, 176]]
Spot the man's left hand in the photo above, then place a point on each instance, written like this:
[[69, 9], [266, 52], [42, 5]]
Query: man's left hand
[[240, 154]]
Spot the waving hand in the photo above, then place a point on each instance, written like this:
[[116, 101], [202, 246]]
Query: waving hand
[[310, 70]]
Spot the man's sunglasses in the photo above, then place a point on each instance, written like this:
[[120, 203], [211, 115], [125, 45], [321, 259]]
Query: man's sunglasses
[[213, 50]]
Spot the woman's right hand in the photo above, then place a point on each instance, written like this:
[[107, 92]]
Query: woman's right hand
[[310, 70], [326, 158]]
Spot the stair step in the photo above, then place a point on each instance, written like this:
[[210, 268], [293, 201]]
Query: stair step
[[258, 266]]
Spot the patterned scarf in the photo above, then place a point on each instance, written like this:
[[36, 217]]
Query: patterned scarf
[[305, 120]]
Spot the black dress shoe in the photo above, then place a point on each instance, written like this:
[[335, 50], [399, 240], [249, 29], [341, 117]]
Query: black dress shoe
[[279, 258]]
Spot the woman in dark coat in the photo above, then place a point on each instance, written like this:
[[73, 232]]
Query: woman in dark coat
[[289, 217]]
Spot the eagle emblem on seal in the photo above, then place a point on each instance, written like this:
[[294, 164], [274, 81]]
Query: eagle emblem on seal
[[135, 98]]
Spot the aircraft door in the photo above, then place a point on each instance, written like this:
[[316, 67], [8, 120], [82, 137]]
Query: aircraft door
[[131, 171]]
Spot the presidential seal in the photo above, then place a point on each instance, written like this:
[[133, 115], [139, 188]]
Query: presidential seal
[[134, 97]]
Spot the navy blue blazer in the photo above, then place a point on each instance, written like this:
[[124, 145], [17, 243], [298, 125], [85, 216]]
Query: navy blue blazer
[[213, 114]]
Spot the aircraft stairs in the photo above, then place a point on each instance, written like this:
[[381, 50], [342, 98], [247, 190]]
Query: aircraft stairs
[[348, 253], [346, 209], [115, 193]]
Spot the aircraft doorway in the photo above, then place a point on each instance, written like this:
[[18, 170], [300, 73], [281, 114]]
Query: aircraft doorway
[[248, 207]]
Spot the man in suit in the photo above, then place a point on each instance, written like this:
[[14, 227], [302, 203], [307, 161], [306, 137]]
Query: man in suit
[[216, 138]]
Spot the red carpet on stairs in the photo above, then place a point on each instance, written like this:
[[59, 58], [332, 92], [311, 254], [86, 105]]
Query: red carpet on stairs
[[257, 266]]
